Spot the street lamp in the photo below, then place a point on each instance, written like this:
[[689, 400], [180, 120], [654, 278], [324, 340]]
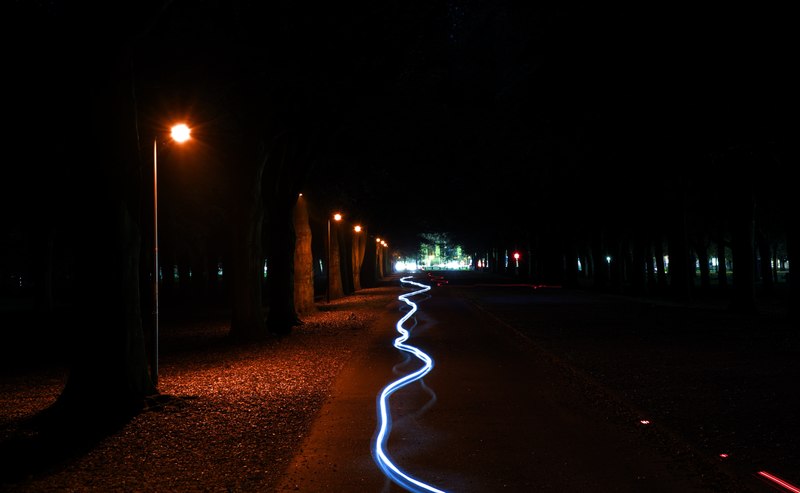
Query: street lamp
[[336, 217], [180, 133]]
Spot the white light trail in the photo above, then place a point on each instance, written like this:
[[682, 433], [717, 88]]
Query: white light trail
[[387, 466]]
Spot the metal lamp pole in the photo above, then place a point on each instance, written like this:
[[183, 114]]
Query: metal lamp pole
[[180, 133], [328, 265], [154, 354]]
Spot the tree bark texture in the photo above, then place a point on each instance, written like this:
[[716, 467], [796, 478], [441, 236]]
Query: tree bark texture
[[359, 247], [247, 314], [282, 315], [335, 289], [303, 260]]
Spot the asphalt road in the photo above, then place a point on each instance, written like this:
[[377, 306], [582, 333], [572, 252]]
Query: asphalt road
[[496, 413]]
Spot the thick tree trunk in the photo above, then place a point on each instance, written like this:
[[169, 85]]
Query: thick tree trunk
[[303, 261], [359, 248], [369, 273], [109, 377], [346, 258], [282, 315], [335, 289], [247, 260]]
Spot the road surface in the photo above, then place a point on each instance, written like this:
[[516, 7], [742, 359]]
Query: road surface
[[496, 413]]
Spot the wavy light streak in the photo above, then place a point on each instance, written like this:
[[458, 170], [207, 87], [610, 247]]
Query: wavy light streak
[[381, 457]]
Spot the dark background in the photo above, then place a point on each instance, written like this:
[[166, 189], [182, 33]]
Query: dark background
[[482, 119]]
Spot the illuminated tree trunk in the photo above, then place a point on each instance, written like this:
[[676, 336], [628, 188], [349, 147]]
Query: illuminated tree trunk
[[346, 259], [379, 261], [359, 248], [282, 314], [335, 289], [369, 272], [284, 178], [303, 260]]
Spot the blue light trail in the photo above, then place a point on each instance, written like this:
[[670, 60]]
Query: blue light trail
[[387, 466]]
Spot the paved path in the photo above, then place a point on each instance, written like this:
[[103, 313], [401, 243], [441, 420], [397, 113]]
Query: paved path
[[494, 415]]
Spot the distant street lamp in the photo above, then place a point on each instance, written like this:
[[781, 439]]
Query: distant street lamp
[[180, 133], [336, 217]]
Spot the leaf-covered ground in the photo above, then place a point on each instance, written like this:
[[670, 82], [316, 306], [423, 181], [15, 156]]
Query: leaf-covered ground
[[236, 415]]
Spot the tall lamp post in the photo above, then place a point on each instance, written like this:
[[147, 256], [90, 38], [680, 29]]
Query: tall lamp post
[[336, 217], [180, 133]]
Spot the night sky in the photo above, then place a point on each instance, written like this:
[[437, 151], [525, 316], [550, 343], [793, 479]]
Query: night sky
[[471, 117], [499, 113]]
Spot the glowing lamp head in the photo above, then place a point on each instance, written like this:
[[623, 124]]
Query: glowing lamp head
[[337, 217], [357, 229], [377, 240], [516, 255], [181, 133]]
